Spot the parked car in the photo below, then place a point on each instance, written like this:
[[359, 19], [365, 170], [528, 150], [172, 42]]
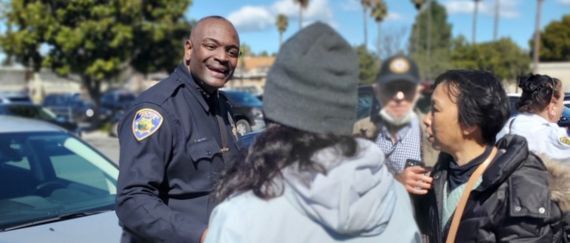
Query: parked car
[[246, 109], [38, 112], [117, 100], [55, 187], [8, 97], [72, 107], [365, 101], [113, 105], [564, 120]]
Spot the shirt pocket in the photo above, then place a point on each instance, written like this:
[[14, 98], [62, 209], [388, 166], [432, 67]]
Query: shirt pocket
[[204, 155]]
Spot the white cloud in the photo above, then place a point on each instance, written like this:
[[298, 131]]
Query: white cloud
[[507, 8], [260, 18], [565, 2], [393, 16], [318, 10], [252, 18]]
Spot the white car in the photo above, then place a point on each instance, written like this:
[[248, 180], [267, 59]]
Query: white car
[[53, 186]]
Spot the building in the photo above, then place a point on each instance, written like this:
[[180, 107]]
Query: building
[[560, 70], [251, 73]]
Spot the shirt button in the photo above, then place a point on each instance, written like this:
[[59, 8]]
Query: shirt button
[[518, 208], [541, 210]]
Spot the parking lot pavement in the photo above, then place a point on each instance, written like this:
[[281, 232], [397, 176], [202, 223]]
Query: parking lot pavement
[[107, 145]]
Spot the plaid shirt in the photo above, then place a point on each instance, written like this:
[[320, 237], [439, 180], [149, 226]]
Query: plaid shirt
[[407, 145]]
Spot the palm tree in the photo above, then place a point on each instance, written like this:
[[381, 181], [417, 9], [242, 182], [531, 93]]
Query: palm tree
[[303, 4], [496, 20], [379, 12], [418, 5], [475, 11], [366, 4], [282, 24], [536, 52]]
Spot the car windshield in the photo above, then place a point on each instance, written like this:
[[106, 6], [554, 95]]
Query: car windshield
[[50, 174], [243, 98]]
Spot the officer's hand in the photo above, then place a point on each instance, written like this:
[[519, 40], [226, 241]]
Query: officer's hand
[[415, 180], [203, 237]]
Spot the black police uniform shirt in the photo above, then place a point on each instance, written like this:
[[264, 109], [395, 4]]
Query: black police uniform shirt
[[170, 160]]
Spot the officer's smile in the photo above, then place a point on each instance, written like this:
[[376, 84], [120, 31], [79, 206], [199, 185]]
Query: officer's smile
[[218, 72]]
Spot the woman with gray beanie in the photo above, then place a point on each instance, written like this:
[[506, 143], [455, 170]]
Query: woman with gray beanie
[[305, 179]]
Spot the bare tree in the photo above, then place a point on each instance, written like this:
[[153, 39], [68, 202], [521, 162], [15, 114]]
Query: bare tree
[[392, 42]]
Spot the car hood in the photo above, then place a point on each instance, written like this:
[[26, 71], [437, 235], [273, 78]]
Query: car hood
[[103, 227]]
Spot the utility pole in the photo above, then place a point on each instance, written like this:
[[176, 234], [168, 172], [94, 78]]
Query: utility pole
[[536, 53]]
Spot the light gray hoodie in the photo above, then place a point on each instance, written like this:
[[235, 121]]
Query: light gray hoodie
[[357, 200]]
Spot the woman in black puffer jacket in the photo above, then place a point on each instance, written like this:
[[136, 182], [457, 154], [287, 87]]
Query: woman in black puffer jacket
[[511, 201]]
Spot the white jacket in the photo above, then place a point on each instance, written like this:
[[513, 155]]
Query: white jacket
[[543, 137], [358, 200]]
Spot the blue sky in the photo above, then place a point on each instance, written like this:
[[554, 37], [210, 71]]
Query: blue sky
[[255, 18]]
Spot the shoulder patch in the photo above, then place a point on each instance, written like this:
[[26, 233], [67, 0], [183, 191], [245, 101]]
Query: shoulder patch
[[565, 140], [145, 123]]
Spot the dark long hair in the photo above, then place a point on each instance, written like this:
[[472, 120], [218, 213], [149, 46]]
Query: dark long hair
[[276, 148], [481, 100], [538, 91]]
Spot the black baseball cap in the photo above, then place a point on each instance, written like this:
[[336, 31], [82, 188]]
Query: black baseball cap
[[398, 68]]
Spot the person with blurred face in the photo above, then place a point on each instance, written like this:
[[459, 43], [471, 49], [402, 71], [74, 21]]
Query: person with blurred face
[[510, 201], [396, 126], [306, 178], [540, 107], [176, 140]]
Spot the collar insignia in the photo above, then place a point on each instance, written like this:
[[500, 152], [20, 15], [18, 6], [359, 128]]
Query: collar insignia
[[146, 122]]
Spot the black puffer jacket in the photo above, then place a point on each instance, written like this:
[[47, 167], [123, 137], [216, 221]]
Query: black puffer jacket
[[512, 203]]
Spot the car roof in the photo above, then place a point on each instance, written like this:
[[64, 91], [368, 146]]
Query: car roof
[[19, 124]]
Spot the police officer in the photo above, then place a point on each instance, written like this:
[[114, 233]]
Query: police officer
[[396, 126], [540, 107], [176, 140]]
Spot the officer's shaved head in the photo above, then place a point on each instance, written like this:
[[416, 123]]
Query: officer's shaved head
[[202, 24], [212, 51]]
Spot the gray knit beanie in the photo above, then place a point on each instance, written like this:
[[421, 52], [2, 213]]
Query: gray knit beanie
[[312, 86]]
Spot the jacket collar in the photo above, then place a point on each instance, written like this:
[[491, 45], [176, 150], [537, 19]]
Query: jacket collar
[[184, 77], [513, 151]]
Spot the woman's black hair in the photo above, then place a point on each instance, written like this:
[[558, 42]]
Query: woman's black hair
[[274, 149], [538, 91], [480, 98]]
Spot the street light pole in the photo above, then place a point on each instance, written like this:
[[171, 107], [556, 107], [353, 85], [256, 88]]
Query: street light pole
[[536, 53]]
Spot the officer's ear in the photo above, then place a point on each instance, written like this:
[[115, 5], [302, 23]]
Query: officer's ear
[[187, 52]]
